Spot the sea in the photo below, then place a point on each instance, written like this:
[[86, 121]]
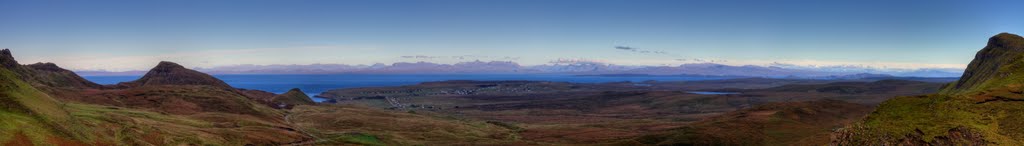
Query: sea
[[314, 84]]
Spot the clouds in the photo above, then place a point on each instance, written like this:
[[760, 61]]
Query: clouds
[[637, 50], [576, 61], [460, 57], [699, 60]]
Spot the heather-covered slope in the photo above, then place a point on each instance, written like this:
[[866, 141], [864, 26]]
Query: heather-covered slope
[[983, 108], [786, 123], [356, 125], [31, 117], [177, 106], [155, 114]]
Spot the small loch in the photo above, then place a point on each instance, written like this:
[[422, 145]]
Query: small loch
[[712, 93]]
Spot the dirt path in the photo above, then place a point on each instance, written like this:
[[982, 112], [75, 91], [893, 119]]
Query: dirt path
[[288, 119]]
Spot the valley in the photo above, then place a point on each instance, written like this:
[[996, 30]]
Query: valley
[[558, 113], [511, 73], [173, 105]]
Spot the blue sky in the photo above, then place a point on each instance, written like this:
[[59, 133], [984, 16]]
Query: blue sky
[[134, 35]]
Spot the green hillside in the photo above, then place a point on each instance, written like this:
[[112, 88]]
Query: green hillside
[[30, 115], [985, 107]]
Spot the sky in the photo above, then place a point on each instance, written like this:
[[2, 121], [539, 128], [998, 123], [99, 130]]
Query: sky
[[136, 35]]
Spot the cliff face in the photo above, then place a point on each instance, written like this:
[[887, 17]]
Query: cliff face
[[994, 65], [984, 107], [7, 60]]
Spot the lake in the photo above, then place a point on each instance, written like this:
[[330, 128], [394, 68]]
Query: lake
[[712, 93], [315, 84]]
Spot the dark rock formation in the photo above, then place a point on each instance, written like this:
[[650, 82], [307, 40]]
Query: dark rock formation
[[7, 60]]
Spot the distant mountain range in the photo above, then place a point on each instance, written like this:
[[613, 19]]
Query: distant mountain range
[[575, 68]]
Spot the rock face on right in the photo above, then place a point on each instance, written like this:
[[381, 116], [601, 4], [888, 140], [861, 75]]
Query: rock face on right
[[994, 65], [984, 107]]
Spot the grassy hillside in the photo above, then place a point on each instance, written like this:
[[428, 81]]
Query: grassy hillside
[[985, 107], [788, 123], [939, 119], [995, 65], [363, 125], [30, 116]]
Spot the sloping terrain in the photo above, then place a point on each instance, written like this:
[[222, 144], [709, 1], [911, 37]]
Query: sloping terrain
[[983, 108], [790, 123], [566, 113], [993, 66], [31, 117], [144, 115], [368, 126], [292, 98], [173, 105]]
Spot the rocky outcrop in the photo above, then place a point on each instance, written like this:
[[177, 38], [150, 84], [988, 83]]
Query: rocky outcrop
[[1000, 59], [7, 60], [170, 73], [291, 99]]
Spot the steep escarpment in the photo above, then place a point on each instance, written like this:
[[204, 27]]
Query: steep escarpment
[[999, 63], [984, 107]]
